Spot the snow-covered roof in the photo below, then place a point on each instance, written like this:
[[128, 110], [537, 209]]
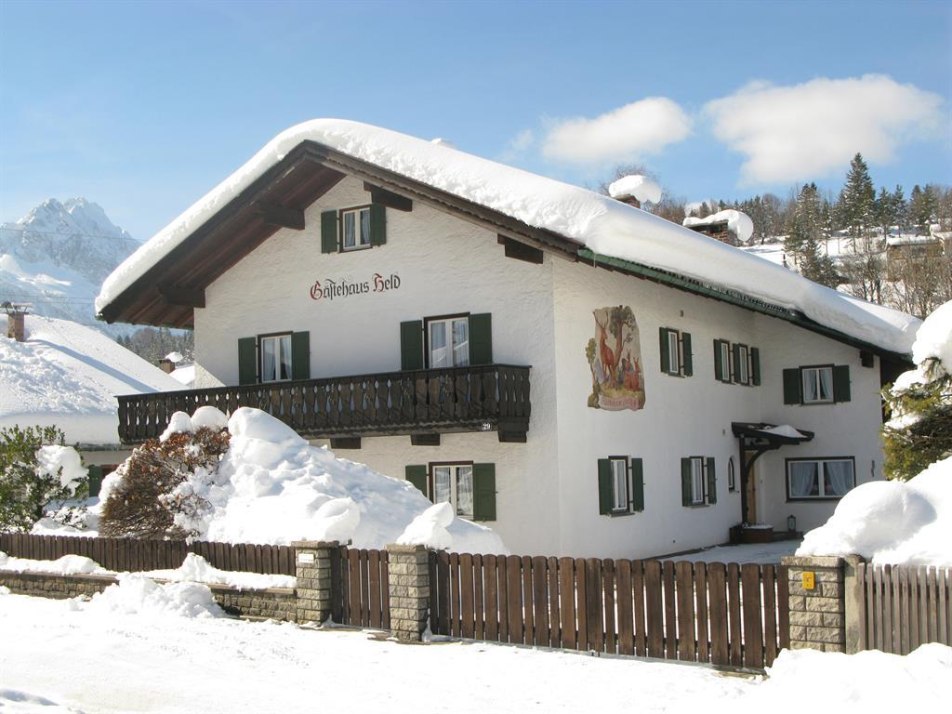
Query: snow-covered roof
[[738, 223], [68, 375], [582, 217]]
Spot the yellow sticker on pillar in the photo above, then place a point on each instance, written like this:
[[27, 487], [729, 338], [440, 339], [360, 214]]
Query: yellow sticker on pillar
[[808, 580]]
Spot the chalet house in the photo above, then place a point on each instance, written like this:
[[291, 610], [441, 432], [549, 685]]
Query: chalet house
[[585, 377]]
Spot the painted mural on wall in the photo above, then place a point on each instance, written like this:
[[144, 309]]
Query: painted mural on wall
[[614, 356]]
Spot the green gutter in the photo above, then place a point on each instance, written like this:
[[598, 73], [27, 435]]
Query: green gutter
[[732, 297]]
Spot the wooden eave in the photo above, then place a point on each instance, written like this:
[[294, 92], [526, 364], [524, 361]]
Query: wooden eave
[[167, 293]]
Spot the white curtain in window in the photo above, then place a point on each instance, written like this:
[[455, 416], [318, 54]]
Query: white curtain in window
[[803, 479], [439, 355], [365, 226], [285, 353], [442, 488], [838, 477], [826, 383], [349, 239], [808, 378], [268, 363], [620, 473], [464, 491], [461, 342]]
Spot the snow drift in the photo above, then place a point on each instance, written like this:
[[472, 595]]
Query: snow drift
[[273, 487]]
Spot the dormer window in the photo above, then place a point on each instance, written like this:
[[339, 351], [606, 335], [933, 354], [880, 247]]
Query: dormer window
[[355, 229]]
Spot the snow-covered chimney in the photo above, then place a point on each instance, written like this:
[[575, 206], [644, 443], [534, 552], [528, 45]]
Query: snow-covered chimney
[[16, 324], [167, 365]]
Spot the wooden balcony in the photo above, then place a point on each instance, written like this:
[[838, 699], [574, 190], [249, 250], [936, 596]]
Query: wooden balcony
[[491, 397]]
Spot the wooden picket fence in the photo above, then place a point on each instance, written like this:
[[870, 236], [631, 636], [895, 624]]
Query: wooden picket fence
[[902, 607], [360, 588], [134, 554], [733, 615]]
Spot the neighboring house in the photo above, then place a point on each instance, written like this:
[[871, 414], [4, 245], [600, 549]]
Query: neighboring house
[[60, 373], [589, 378]]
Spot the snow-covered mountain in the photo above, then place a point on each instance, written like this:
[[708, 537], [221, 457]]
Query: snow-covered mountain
[[57, 256]]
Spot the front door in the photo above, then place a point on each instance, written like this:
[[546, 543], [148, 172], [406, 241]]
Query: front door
[[751, 494]]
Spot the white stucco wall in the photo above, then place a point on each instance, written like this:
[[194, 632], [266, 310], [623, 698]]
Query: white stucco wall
[[445, 266], [547, 495], [691, 416]]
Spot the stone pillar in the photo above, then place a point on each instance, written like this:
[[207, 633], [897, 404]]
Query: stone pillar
[[409, 591], [313, 571], [817, 610]]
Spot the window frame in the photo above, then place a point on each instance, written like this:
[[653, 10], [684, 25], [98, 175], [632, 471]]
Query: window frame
[[676, 354], [448, 319], [816, 370], [698, 468], [359, 244], [742, 370], [260, 345], [723, 348], [625, 495], [454, 485], [820, 475]]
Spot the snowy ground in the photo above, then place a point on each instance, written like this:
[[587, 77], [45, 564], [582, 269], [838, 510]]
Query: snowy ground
[[65, 656]]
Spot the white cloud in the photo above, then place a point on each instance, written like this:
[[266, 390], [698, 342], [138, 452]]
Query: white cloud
[[812, 129], [624, 134]]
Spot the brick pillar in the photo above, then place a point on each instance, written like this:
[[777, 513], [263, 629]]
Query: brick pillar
[[313, 571], [409, 591], [816, 601]]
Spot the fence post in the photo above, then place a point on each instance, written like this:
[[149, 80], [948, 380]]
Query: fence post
[[816, 603], [409, 573], [312, 565], [854, 605]]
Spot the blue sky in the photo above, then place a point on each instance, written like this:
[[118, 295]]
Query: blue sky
[[144, 106]]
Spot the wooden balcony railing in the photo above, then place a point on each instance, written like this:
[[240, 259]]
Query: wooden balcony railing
[[482, 398]]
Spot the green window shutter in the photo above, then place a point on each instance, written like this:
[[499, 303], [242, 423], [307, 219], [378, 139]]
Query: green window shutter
[[411, 345], [480, 339], [247, 360], [300, 355], [329, 232], [378, 224], [735, 357], [484, 492], [94, 474], [711, 481], [687, 362], [686, 482], [605, 490], [665, 357], [416, 474], [791, 386], [755, 366], [637, 485], [841, 383], [718, 362]]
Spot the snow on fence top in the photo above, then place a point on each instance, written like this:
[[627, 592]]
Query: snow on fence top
[[599, 223]]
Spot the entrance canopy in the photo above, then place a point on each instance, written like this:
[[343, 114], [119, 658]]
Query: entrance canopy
[[756, 439]]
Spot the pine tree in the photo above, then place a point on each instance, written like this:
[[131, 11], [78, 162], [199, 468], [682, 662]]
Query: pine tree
[[806, 234], [858, 200], [864, 266]]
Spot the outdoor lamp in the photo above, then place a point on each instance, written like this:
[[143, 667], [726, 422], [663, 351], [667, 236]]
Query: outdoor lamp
[[791, 523]]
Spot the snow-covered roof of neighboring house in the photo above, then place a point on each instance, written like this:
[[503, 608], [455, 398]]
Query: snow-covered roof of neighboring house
[[68, 375], [556, 214]]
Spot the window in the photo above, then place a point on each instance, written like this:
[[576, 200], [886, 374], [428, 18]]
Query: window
[[352, 229], [722, 360], [453, 483], [819, 478], [698, 481], [621, 487], [736, 363], [676, 356], [820, 384], [469, 487], [274, 357], [817, 384], [447, 342], [275, 353], [355, 229]]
